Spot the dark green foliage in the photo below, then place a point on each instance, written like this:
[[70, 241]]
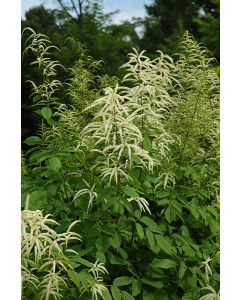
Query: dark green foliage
[[209, 28], [167, 20]]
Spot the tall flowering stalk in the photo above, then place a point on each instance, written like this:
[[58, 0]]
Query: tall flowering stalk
[[115, 135], [40, 45], [125, 114]]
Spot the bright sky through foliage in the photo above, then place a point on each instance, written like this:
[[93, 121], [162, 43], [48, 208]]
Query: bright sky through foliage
[[127, 8]]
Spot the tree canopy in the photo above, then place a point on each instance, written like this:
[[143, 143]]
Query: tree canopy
[[167, 20]]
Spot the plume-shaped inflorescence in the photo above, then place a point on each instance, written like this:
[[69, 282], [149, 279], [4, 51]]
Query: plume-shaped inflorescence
[[196, 118], [45, 264], [41, 47], [126, 114]]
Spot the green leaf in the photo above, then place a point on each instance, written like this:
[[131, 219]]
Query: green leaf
[[80, 278], [101, 257], [106, 295], [163, 194], [39, 156], [130, 191], [137, 214], [153, 283], [164, 244], [186, 191], [50, 122], [147, 221], [194, 212], [38, 200], [124, 280], [115, 241], [163, 202], [147, 144], [205, 193], [135, 182], [136, 287], [116, 292], [163, 263], [32, 140], [73, 264], [188, 250], [74, 277], [54, 163], [140, 230], [127, 205], [98, 243], [82, 261], [126, 296], [46, 113], [54, 98], [171, 213], [182, 269], [185, 232], [36, 98], [150, 238], [151, 224]]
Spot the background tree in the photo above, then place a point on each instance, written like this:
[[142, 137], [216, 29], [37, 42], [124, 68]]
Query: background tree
[[167, 20], [209, 28]]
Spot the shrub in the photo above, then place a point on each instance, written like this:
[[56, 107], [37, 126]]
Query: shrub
[[136, 160]]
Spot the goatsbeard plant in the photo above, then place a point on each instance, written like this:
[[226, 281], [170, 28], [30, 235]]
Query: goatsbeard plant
[[137, 161]]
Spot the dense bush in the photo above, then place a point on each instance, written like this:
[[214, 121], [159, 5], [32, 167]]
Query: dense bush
[[136, 161]]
